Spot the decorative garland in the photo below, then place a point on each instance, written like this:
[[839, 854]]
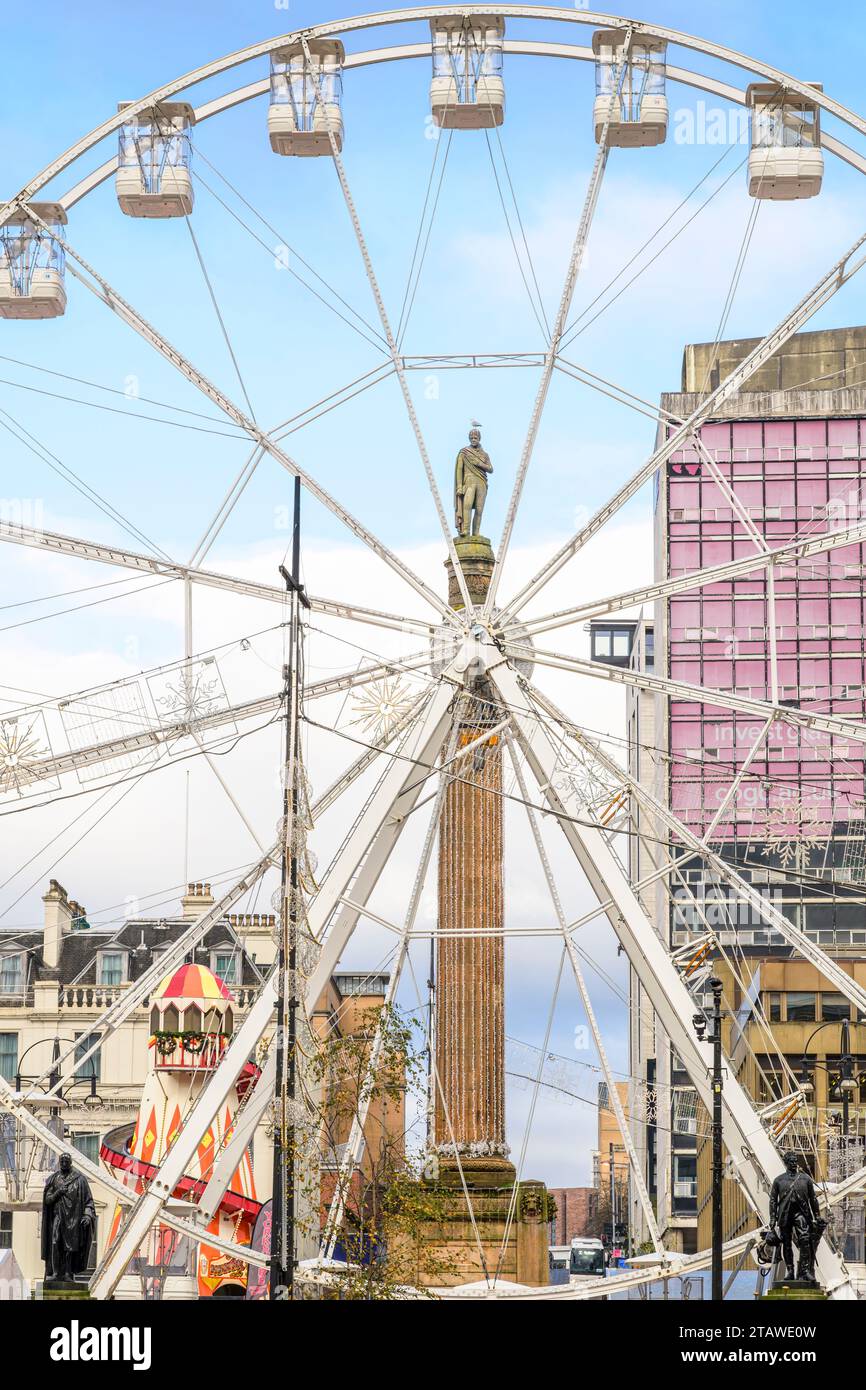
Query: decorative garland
[[191, 1041]]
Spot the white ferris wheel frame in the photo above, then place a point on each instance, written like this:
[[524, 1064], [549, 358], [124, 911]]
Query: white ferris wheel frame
[[364, 854]]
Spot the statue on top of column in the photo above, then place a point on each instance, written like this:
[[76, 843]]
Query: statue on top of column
[[470, 484]]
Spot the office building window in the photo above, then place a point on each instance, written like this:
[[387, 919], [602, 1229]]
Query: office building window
[[774, 1008], [835, 1007], [5, 1230], [801, 1007], [685, 1175]]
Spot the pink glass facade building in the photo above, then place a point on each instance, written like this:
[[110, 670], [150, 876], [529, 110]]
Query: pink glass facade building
[[800, 806], [791, 448]]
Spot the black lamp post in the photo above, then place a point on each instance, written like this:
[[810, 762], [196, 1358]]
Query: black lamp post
[[283, 1234], [844, 1079], [717, 1242], [57, 1087]]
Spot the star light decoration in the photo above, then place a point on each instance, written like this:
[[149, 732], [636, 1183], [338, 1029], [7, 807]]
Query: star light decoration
[[380, 707], [20, 749], [794, 827]]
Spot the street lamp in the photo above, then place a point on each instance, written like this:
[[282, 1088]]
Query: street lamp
[[60, 1092], [843, 1080], [700, 1024]]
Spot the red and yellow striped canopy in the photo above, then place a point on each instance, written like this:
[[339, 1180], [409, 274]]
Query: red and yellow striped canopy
[[192, 982]]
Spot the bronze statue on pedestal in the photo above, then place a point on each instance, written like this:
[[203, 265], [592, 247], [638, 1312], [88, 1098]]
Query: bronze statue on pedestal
[[470, 485], [68, 1222], [795, 1213]]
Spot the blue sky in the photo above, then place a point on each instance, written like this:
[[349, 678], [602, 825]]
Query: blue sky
[[66, 68]]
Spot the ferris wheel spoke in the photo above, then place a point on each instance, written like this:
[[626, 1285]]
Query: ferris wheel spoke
[[840, 273], [140, 989], [355, 1141], [135, 560], [775, 919], [100, 287], [574, 961], [571, 274], [58, 1144], [376, 847], [754, 1155], [699, 694], [227, 506], [393, 348], [295, 423], [362, 859], [229, 793], [791, 551], [149, 740], [603, 387], [262, 1092], [742, 772]]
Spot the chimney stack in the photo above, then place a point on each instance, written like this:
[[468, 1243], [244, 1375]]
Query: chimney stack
[[58, 921], [198, 900]]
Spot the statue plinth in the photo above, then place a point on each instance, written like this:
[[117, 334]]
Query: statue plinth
[[795, 1289], [513, 1235], [477, 560], [48, 1290]]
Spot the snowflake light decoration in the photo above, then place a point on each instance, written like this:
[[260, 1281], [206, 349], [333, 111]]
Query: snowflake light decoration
[[20, 749], [580, 775], [646, 1103], [196, 692], [381, 706], [792, 828]]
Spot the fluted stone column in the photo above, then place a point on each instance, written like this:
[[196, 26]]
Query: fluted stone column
[[469, 1113]]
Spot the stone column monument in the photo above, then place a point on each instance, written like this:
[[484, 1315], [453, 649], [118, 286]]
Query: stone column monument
[[469, 1143], [469, 1112]]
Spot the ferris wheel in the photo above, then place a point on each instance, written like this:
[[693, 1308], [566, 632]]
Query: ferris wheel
[[474, 667]]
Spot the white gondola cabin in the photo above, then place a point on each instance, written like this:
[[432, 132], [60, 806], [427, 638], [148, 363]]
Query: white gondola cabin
[[785, 160], [306, 98], [629, 89], [32, 264], [467, 91], [153, 177]]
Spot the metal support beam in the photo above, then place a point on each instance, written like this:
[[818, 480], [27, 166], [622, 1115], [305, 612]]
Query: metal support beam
[[791, 552], [823, 291], [681, 690], [367, 848], [250, 588], [803, 944], [571, 951], [753, 1156], [578, 250]]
